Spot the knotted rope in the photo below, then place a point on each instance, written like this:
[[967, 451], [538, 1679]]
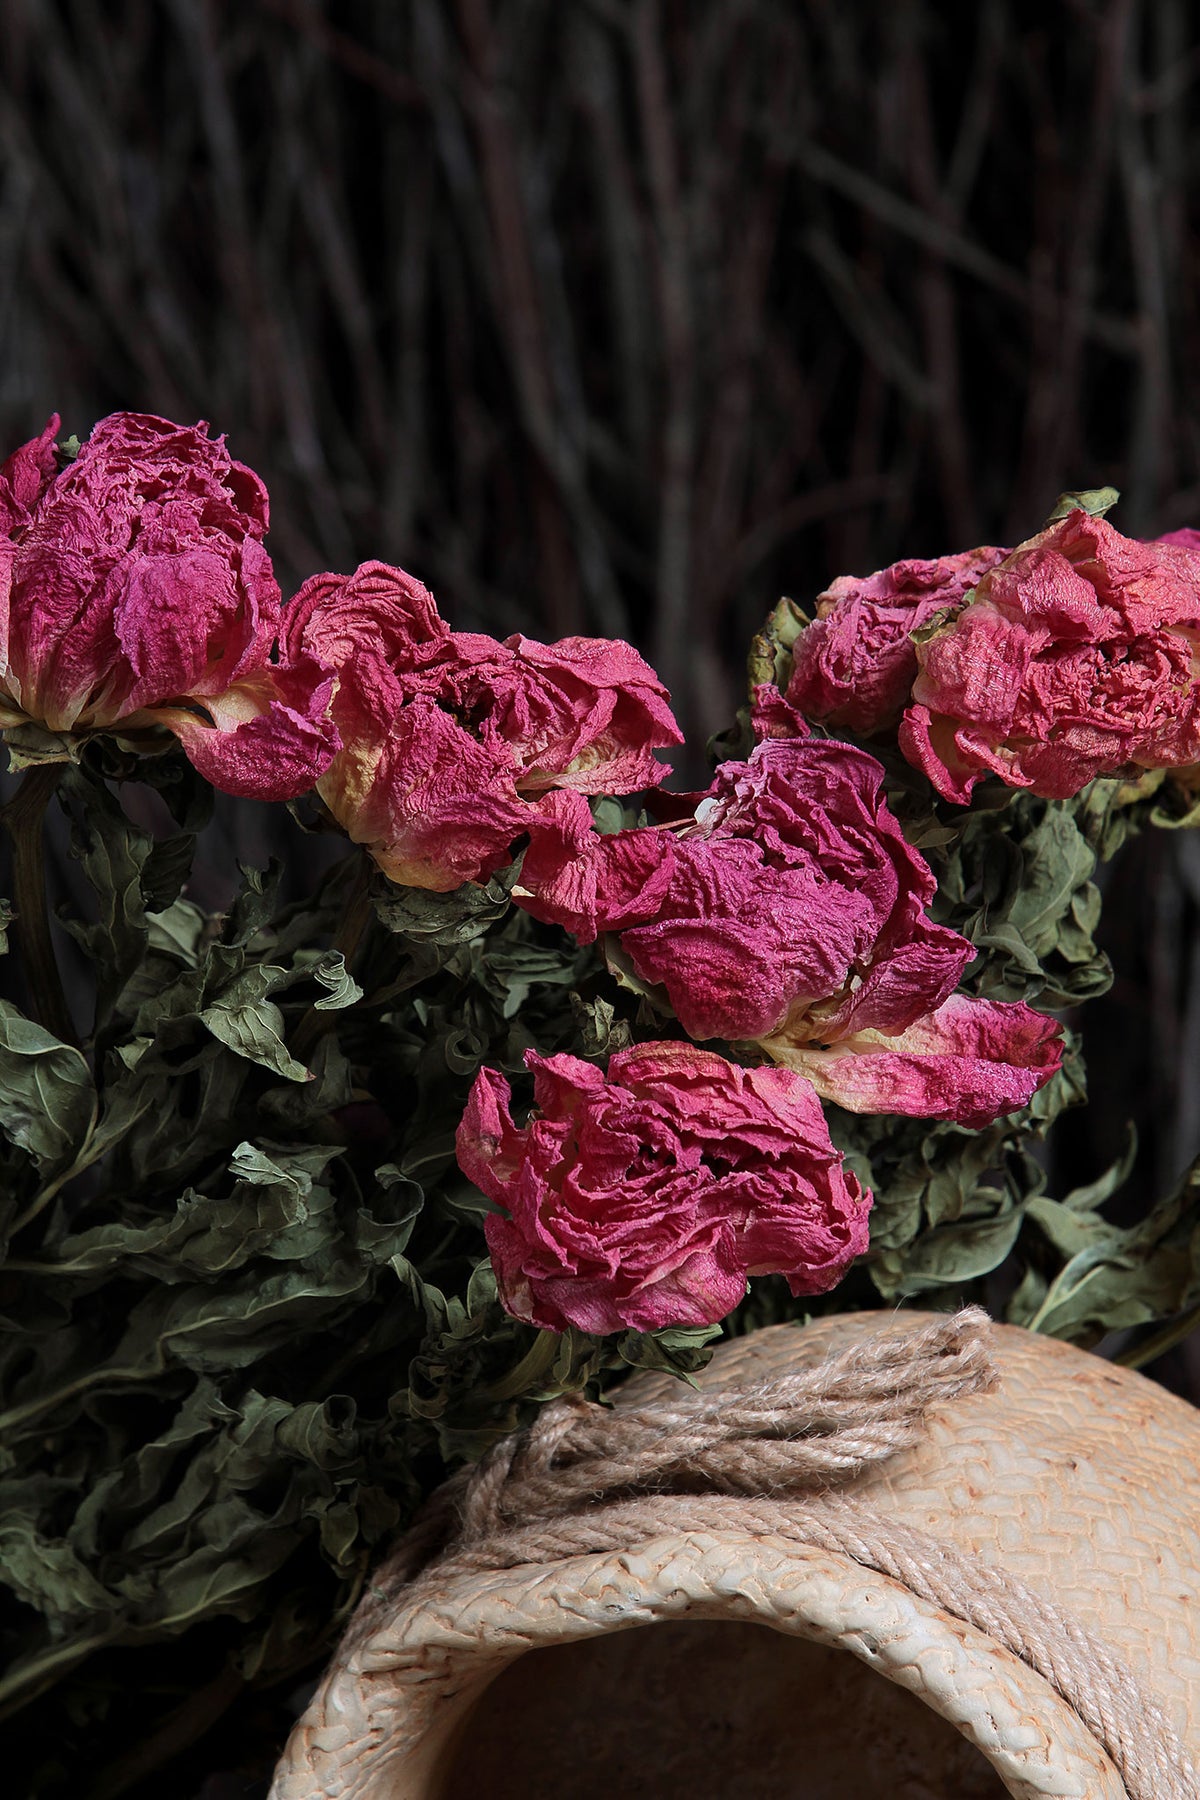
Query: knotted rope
[[767, 1460]]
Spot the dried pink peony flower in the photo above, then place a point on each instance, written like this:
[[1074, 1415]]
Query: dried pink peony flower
[[452, 738], [1075, 657], [137, 599], [644, 1197], [855, 664], [791, 911]]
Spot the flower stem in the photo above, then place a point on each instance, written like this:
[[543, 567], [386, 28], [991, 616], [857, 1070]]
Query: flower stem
[[1160, 1341], [24, 820], [537, 1361]]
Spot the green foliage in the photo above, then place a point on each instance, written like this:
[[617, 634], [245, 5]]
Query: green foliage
[[47, 1100], [247, 1317], [951, 1205], [1018, 884], [1097, 1276]]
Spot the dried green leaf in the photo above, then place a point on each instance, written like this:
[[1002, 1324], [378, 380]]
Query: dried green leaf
[[1115, 1277], [296, 1106], [255, 904], [177, 931], [458, 917], [47, 1097], [245, 1020], [1018, 884], [166, 869], [770, 658], [275, 1209], [679, 1349], [952, 1255], [113, 852], [1094, 1193], [510, 971], [329, 969], [45, 1572], [598, 1030], [1096, 501]]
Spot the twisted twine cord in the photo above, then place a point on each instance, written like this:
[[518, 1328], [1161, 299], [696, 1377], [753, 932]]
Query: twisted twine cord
[[807, 1430], [766, 1461]]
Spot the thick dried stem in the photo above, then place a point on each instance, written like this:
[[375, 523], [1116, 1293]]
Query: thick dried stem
[[24, 820]]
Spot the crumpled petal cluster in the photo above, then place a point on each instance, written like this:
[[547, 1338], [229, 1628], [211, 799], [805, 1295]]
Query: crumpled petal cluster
[[1075, 657], [855, 664], [136, 598], [791, 911], [451, 738], [645, 1196]]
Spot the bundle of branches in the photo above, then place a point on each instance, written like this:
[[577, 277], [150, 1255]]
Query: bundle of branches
[[624, 316]]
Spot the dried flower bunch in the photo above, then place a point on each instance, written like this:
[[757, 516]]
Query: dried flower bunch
[[531, 1065]]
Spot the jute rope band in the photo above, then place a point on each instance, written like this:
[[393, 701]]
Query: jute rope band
[[768, 1460]]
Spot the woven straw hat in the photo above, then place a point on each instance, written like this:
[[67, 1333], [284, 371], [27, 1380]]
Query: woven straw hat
[[785, 1668]]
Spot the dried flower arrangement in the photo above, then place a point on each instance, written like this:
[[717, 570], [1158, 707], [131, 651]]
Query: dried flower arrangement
[[538, 1076]]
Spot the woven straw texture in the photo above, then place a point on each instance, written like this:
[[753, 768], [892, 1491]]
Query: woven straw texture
[[1078, 1479]]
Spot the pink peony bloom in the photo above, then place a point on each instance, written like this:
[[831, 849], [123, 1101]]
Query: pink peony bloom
[[1075, 657], [790, 911], [855, 664], [644, 1197], [451, 739], [137, 599]]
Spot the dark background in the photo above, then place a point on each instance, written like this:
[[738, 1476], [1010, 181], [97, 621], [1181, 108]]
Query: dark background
[[626, 316]]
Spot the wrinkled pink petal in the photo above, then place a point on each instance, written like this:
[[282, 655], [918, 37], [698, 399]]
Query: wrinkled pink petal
[[604, 712], [931, 743], [970, 1061], [576, 877], [437, 810], [507, 723], [644, 1197], [917, 974], [795, 888], [379, 630], [488, 1143], [773, 716], [739, 940], [271, 738], [25, 474], [855, 664], [791, 910], [177, 616], [65, 663]]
